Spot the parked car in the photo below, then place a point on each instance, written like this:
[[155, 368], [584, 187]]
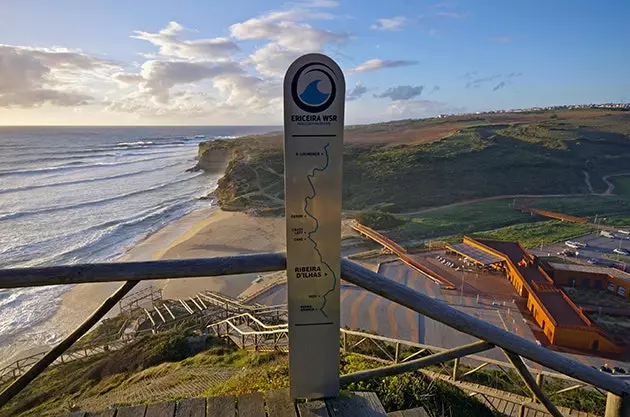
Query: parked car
[[618, 371], [620, 251], [606, 369]]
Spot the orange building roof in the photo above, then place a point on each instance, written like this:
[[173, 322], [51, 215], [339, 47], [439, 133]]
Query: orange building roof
[[557, 306]]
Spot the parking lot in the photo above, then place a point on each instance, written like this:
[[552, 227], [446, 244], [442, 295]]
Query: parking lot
[[597, 247]]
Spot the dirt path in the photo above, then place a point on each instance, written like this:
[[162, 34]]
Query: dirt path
[[587, 180]]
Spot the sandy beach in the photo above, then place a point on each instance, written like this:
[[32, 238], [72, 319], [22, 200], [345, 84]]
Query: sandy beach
[[203, 233]]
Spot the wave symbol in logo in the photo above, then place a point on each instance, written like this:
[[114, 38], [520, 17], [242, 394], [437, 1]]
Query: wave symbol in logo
[[311, 98], [311, 94]]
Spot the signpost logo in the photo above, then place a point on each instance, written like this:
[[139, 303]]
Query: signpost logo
[[313, 87]]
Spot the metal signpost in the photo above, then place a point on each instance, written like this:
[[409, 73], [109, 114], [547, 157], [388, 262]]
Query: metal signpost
[[314, 98]]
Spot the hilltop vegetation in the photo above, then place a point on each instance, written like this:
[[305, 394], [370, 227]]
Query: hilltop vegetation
[[409, 165]]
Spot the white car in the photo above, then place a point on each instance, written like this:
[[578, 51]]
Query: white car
[[573, 245], [620, 251]]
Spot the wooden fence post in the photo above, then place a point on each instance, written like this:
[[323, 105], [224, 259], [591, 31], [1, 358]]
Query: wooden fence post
[[455, 366], [397, 353], [617, 406], [539, 382]]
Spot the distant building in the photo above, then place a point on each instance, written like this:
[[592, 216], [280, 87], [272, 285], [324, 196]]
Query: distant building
[[562, 322]]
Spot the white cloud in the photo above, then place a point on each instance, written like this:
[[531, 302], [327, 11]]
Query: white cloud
[[401, 92], [452, 15], [169, 44], [393, 23], [160, 76], [321, 3], [287, 29], [377, 64], [357, 92], [31, 77], [272, 60]]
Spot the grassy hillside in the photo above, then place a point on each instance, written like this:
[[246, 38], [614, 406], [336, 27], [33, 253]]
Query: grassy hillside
[[409, 165], [164, 368]]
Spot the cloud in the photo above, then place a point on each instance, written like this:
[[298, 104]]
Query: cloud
[[474, 81], [160, 76], [169, 44], [287, 36], [435, 89], [377, 64], [452, 14], [286, 29], [500, 39], [420, 109], [393, 23], [357, 92], [401, 92], [321, 3], [499, 86], [31, 77], [273, 60]]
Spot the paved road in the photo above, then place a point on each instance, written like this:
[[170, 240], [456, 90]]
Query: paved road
[[597, 247]]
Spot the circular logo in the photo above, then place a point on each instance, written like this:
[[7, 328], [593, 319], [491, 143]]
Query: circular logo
[[313, 87]]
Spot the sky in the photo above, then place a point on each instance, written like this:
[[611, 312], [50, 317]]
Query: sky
[[218, 62]]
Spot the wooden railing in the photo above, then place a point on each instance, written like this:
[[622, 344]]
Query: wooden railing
[[515, 347]]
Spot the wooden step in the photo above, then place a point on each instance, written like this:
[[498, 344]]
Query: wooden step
[[268, 404]]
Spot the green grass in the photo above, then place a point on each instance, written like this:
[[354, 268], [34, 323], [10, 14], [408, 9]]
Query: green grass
[[399, 392], [56, 390], [486, 216], [586, 206], [459, 220], [533, 234], [544, 157], [108, 328], [622, 186]]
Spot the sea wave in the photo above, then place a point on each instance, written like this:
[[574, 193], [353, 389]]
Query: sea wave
[[26, 307], [140, 142], [113, 239], [87, 180], [20, 214], [66, 167], [33, 249]]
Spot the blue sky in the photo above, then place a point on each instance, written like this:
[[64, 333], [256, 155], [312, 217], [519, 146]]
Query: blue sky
[[217, 62]]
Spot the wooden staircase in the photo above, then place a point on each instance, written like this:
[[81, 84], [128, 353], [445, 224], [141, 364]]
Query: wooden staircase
[[268, 404]]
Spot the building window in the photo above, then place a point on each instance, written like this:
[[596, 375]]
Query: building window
[[598, 284], [621, 291], [595, 344]]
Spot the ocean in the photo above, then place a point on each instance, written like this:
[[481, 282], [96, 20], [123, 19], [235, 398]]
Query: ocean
[[87, 194]]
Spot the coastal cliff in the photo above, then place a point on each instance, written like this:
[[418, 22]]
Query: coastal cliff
[[252, 169], [213, 157], [410, 165]]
